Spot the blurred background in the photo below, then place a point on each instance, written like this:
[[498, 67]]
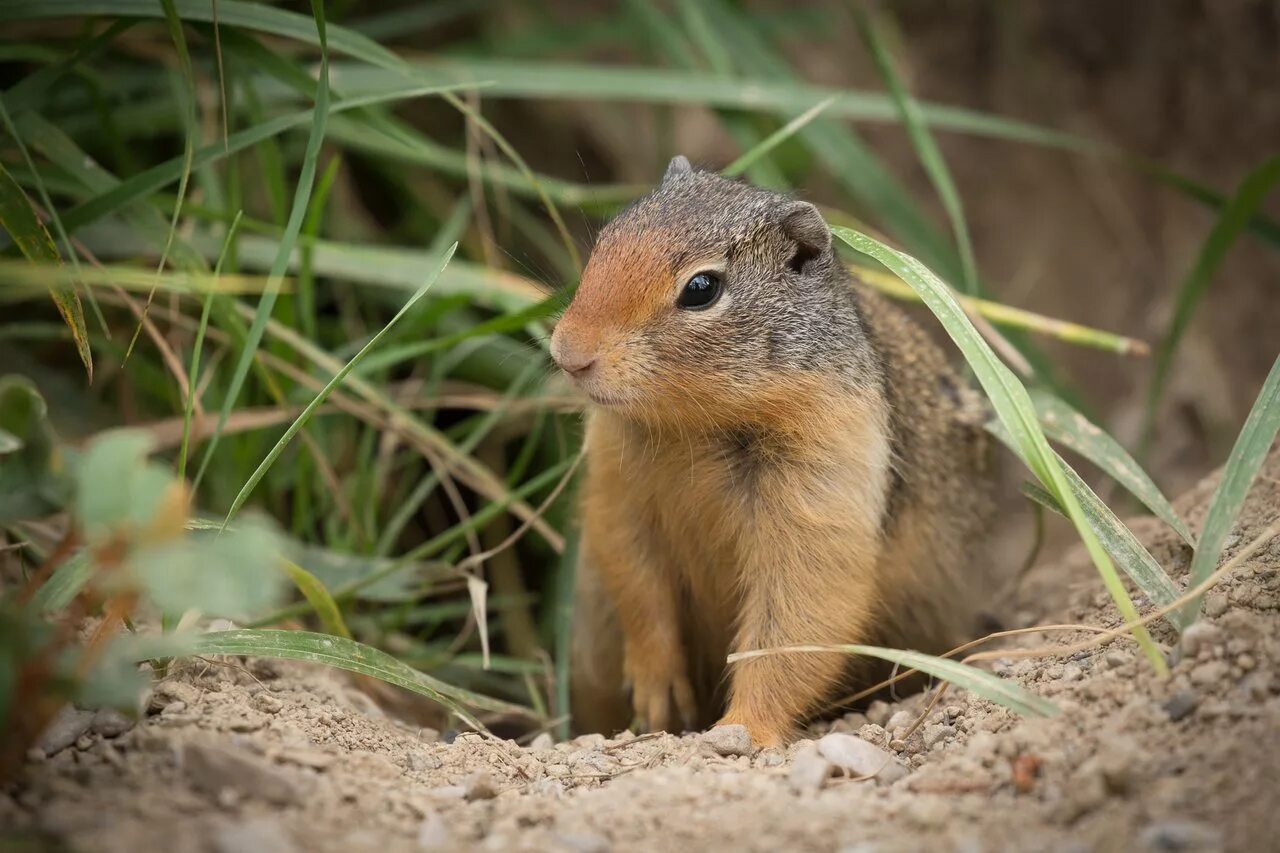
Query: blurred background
[[1092, 145]]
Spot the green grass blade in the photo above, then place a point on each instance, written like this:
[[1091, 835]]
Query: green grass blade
[[1003, 692], [161, 175], [1074, 431], [773, 140], [333, 383], [927, 150], [314, 590], [1235, 215], [63, 585], [514, 155], [228, 13], [18, 217], [1251, 447], [193, 377], [192, 132], [302, 195], [1116, 538], [1014, 408], [352, 656]]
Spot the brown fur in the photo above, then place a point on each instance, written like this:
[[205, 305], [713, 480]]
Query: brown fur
[[757, 505]]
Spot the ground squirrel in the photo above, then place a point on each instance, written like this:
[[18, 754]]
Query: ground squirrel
[[775, 456]]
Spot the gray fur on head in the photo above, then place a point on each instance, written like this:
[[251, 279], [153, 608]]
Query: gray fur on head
[[677, 168], [791, 304]]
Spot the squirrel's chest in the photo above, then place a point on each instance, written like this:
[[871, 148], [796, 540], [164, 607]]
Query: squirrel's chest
[[711, 504]]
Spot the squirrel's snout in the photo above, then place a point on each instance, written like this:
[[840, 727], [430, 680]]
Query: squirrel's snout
[[574, 360]]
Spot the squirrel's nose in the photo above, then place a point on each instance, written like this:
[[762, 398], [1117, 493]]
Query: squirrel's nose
[[572, 360], [575, 364]]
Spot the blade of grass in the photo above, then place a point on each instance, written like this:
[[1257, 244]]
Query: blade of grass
[[318, 595], [159, 176], [927, 151], [1014, 408], [1115, 536], [773, 140], [1234, 216], [352, 656], [1073, 430], [1013, 318], [197, 349], [1006, 693], [333, 383], [18, 216], [229, 13], [301, 197], [54, 217], [507, 148], [192, 132], [1251, 447], [615, 83]]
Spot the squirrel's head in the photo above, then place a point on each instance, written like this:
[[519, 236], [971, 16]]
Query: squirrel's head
[[706, 296]]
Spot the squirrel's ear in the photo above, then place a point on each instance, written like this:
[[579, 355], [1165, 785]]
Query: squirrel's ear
[[804, 225], [677, 168]]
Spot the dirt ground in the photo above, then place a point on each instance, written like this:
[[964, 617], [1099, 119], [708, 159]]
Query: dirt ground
[[256, 755]]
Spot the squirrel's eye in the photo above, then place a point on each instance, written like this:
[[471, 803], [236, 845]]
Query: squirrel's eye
[[699, 292]]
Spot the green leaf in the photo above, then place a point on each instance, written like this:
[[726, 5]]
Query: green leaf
[[1013, 407], [353, 657], [1251, 447], [328, 389], [18, 217], [927, 151], [1074, 431], [64, 585], [31, 481], [318, 595], [979, 682], [1233, 217], [115, 485], [233, 575]]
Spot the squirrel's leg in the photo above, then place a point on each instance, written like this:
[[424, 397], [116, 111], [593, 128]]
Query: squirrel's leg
[[644, 600], [791, 601]]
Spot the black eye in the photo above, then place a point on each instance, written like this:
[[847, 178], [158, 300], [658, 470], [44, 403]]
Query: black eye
[[700, 292]]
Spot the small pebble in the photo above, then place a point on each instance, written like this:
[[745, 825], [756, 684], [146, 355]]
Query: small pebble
[[479, 786], [543, 742], [64, 729], [878, 712], [728, 740], [1246, 662], [1177, 836], [936, 734], [1200, 635], [267, 703], [1215, 604], [1180, 705], [1210, 672], [900, 720], [859, 757], [809, 770], [1116, 658], [1072, 672], [110, 723]]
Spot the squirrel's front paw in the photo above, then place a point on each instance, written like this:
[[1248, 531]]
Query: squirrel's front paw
[[660, 689], [765, 734]]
